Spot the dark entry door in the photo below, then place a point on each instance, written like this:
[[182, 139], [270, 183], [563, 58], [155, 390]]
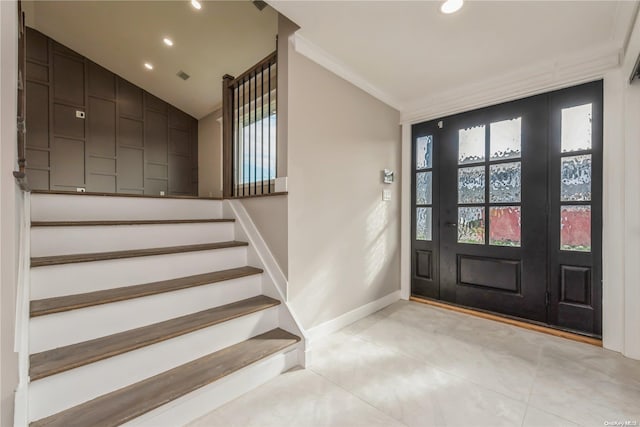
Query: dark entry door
[[493, 245], [502, 213]]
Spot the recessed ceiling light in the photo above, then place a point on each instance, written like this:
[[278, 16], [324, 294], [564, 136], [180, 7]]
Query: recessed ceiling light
[[148, 66], [450, 6], [167, 41], [196, 4]]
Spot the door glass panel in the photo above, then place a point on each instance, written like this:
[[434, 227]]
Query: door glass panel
[[505, 140], [423, 223], [471, 145], [576, 178], [471, 225], [423, 188], [576, 128], [504, 225], [505, 182], [424, 152], [471, 184], [575, 228]]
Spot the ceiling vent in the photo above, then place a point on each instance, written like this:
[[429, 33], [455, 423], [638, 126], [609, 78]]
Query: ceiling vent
[[183, 75]]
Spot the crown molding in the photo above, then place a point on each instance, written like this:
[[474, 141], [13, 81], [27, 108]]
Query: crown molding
[[537, 78], [318, 55]]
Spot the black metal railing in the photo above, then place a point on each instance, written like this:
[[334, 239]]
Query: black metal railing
[[249, 130]]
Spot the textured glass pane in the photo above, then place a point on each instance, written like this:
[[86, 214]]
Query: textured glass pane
[[423, 223], [575, 174], [575, 228], [505, 139], [424, 152], [471, 225], [576, 128], [504, 225], [471, 145], [423, 188], [471, 185], [504, 179]]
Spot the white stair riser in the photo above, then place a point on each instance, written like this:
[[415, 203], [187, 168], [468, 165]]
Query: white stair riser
[[55, 207], [48, 241], [62, 391], [75, 278], [60, 329], [204, 400]]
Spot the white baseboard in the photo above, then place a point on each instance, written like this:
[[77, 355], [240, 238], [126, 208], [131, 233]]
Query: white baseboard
[[350, 317]]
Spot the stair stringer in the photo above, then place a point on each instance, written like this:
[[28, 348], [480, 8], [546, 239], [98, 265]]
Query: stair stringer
[[274, 282]]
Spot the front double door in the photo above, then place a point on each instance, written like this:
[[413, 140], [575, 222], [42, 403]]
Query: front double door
[[507, 209]]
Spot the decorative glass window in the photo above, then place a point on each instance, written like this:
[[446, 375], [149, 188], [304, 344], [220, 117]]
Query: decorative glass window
[[424, 188]]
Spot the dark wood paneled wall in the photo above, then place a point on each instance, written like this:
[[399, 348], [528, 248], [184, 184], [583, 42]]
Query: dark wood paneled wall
[[129, 141]]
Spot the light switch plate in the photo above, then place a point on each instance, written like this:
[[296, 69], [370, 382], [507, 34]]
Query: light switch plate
[[162, 193], [386, 195]]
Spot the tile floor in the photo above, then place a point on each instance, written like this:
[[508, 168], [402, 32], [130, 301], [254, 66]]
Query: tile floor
[[416, 365]]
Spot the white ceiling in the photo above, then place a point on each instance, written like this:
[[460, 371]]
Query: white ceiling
[[405, 51], [224, 37]]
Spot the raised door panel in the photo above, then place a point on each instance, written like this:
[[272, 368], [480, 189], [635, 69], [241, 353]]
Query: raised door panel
[[67, 164], [130, 170], [37, 115], [129, 99], [65, 122], [37, 46], [68, 80], [101, 121], [179, 119], [154, 103], [180, 174], [179, 142], [102, 82], [155, 138], [130, 132]]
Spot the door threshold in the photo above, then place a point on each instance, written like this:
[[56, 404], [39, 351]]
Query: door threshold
[[510, 321]]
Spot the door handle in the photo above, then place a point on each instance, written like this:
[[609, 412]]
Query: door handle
[[451, 224]]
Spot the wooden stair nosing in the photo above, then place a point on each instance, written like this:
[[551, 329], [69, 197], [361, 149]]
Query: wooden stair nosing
[[126, 222], [139, 196], [125, 404], [133, 253], [62, 359], [72, 302]]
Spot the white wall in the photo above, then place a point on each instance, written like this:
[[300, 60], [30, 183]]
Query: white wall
[[10, 202], [343, 239], [630, 107], [270, 216], [210, 155]]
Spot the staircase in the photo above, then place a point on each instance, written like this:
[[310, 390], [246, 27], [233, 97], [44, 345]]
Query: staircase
[[144, 311]]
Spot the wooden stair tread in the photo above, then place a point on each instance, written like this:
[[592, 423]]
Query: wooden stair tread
[[123, 405], [125, 222], [62, 359], [71, 302], [103, 256]]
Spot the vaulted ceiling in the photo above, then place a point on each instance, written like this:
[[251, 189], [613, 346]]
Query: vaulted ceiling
[[224, 37], [405, 51]]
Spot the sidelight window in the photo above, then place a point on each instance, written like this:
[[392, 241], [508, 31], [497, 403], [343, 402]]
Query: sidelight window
[[424, 188], [575, 178]]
